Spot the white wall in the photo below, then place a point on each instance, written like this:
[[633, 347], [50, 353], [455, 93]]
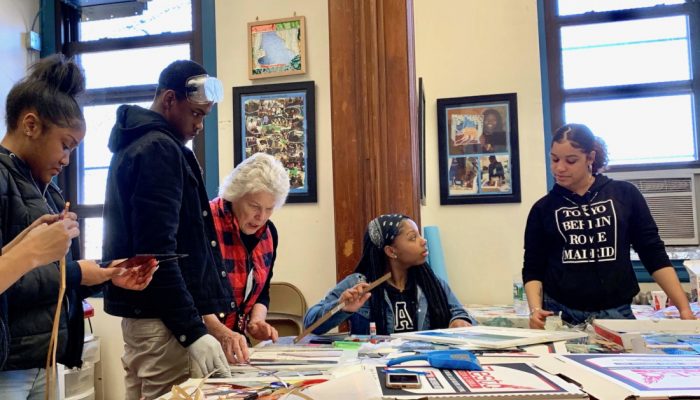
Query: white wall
[[469, 48], [306, 254], [16, 18]]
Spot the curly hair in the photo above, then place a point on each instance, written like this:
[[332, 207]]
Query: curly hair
[[581, 137], [259, 172]]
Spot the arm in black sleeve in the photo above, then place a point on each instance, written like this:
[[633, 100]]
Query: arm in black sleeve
[[158, 172], [535, 258], [644, 233], [264, 297]]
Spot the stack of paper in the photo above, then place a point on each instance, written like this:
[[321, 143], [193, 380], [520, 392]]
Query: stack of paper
[[491, 337], [508, 380]]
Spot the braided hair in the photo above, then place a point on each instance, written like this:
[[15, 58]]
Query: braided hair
[[373, 263]]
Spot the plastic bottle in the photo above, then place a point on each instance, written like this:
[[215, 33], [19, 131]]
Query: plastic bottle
[[519, 299]]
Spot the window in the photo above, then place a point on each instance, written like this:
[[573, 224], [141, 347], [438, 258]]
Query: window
[[625, 69], [122, 47]]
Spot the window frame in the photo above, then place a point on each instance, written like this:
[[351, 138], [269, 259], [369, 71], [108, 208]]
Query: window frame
[[558, 96], [63, 20]]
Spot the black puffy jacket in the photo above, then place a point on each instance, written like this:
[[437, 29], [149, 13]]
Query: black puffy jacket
[[156, 202], [31, 301]]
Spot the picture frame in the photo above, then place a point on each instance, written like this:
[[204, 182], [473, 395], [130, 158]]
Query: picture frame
[[277, 47], [421, 140], [478, 149], [279, 119]]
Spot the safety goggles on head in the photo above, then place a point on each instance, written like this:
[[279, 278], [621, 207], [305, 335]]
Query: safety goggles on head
[[204, 89]]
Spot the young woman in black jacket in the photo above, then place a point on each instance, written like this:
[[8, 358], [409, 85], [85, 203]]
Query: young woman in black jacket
[[44, 125]]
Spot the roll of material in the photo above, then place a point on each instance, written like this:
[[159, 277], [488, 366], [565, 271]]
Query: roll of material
[[436, 258]]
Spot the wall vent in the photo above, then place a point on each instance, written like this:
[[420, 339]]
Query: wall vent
[[671, 199]]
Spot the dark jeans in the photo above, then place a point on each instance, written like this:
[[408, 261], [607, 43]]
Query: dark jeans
[[577, 317]]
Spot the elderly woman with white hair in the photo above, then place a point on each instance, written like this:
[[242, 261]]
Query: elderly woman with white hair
[[248, 243]]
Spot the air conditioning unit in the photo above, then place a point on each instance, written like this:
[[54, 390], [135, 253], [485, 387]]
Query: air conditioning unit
[[671, 196]]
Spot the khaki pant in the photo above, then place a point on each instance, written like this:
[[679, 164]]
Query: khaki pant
[[153, 359]]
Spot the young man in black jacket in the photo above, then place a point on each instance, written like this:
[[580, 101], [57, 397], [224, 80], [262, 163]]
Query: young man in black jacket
[[156, 203]]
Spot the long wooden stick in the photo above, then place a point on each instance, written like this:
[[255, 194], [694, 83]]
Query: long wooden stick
[[53, 341], [339, 307]]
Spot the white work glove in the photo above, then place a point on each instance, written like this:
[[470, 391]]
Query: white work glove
[[207, 354]]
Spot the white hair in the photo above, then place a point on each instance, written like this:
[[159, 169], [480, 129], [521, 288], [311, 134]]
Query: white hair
[[260, 172]]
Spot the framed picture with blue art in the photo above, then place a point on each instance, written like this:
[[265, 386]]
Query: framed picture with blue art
[[277, 47], [478, 149], [279, 120]]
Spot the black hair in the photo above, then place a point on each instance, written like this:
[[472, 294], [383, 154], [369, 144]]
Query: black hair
[[499, 118], [582, 138], [51, 88], [175, 76], [372, 265]]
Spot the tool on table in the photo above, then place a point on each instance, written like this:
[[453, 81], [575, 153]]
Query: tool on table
[[449, 359]]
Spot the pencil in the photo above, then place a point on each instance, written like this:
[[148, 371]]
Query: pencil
[[65, 211]]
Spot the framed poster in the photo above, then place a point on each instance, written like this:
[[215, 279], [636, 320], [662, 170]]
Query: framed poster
[[277, 47], [279, 120], [421, 139], [478, 149]]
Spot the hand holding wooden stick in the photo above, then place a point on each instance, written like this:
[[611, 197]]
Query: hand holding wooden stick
[[339, 307]]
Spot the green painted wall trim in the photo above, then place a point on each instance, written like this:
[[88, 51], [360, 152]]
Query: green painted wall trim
[[211, 137], [644, 276], [48, 27], [546, 106]]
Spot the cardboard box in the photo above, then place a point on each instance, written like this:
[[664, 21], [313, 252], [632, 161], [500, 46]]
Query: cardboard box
[[693, 268], [624, 331], [627, 376]]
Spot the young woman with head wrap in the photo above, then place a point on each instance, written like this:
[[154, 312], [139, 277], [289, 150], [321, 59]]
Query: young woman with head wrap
[[412, 299]]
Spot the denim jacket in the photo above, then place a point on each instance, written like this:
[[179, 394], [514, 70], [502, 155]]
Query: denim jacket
[[359, 321]]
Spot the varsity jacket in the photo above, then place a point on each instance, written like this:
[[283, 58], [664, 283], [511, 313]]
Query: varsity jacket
[[579, 246]]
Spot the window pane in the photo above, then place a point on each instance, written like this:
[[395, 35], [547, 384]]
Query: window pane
[[96, 155], [160, 16], [619, 53], [130, 67], [569, 7], [640, 130], [94, 184], [92, 238]]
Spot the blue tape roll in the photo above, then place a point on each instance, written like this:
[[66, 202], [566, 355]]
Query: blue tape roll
[[436, 258]]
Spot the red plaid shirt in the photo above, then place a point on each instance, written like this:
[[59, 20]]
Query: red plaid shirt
[[239, 261]]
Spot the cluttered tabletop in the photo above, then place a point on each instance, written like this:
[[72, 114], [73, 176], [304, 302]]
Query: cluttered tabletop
[[655, 356]]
